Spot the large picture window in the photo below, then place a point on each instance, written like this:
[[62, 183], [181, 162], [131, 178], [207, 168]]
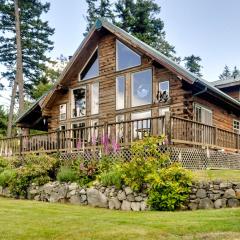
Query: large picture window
[[91, 70], [79, 102], [126, 57], [120, 92], [141, 88], [95, 98]]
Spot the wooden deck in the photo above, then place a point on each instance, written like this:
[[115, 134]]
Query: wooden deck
[[178, 131]]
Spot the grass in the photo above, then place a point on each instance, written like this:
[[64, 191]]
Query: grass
[[22, 219], [225, 175]]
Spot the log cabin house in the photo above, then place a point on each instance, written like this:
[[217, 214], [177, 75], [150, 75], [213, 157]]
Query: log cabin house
[[116, 85]]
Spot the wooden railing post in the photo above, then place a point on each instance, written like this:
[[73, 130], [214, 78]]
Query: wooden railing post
[[168, 131], [58, 140], [238, 135], [21, 144], [215, 136]]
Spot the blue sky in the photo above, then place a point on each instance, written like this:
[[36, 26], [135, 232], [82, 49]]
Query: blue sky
[[208, 28]]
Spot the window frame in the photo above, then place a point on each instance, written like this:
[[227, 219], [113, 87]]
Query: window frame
[[124, 97], [116, 56], [236, 129], [168, 91], [72, 101], [85, 65], [131, 87], [91, 98], [63, 119], [197, 105]]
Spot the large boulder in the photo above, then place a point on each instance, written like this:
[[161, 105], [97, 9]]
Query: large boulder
[[96, 198], [126, 206], [201, 193], [121, 195], [128, 190], [135, 206], [233, 202], [75, 199], [220, 203], [229, 193], [205, 203], [114, 203]]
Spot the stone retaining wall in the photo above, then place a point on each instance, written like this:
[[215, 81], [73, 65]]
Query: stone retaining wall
[[204, 195]]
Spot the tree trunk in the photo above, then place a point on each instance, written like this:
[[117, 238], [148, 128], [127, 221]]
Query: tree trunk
[[11, 110], [19, 70]]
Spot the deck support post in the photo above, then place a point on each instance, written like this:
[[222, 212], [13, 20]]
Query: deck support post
[[168, 127], [21, 144], [58, 141], [215, 136]]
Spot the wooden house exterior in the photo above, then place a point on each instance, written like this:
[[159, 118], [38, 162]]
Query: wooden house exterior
[[114, 77]]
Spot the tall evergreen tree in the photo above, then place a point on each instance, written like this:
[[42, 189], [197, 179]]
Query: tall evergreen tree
[[3, 121], [97, 9], [236, 72], [24, 41], [192, 63], [225, 74], [141, 18], [35, 40]]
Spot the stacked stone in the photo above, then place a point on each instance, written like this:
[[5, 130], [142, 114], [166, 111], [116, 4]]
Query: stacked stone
[[215, 194], [58, 192]]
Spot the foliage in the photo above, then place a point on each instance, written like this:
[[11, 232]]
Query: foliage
[[66, 174], [140, 18], [3, 121], [40, 90], [35, 41], [225, 74], [235, 72], [169, 187], [112, 177], [103, 9], [86, 170], [4, 163], [192, 63], [6, 176], [146, 158], [32, 168]]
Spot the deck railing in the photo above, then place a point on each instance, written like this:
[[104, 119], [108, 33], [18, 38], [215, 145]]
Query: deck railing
[[117, 134]]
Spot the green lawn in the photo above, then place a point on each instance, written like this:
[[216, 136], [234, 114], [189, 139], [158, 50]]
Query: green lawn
[[225, 175], [22, 219]]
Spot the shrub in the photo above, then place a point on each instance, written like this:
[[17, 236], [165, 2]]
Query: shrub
[[66, 174], [3, 164], [112, 177], [146, 159], [86, 170], [169, 188], [6, 176], [34, 168]]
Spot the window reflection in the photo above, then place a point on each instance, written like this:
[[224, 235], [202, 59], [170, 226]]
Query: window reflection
[[120, 92], [142, 88], [126, 57]]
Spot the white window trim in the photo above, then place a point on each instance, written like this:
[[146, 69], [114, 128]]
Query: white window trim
[[116, 55], [131, 74], [71, 106], [235, 129], [86, 63]]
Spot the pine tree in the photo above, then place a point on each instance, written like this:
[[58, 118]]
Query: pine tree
[[236, 72], [24, 41], [225, 74], [101, 10], [141, 18], [192, 63], [35, 40]]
